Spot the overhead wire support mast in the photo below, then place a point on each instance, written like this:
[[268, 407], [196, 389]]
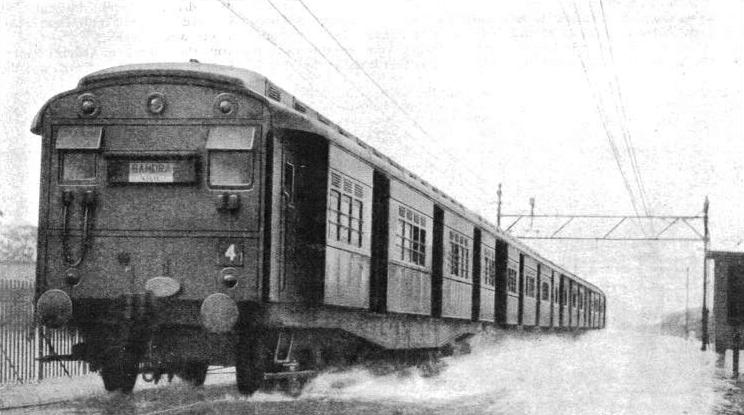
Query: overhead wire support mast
[[671, 220], [608, 235]]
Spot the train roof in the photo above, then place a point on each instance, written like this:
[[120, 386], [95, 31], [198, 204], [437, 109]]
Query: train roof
[[300, 115]]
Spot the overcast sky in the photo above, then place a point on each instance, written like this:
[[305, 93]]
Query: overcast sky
[[520, 93]]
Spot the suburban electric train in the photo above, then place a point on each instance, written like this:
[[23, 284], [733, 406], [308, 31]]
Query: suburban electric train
[[195, 215]]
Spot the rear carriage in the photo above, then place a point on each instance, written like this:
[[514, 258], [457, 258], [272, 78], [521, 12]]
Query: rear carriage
[[196, 214]]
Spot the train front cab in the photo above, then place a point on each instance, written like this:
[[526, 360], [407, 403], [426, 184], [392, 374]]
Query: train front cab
[[152, 187]]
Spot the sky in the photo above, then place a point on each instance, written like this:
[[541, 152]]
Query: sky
[[467, 95]]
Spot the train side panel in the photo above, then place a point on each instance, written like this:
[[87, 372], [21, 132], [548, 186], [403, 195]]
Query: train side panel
[[574, 308], [349, 226], [457, 273], [409, 250], [565, 300], [545, 275], [529, 298], [581, 306], [513, 288], [555, 300], [488, 278]]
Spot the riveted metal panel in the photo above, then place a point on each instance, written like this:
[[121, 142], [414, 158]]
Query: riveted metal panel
[[190, 260], [123, 102]]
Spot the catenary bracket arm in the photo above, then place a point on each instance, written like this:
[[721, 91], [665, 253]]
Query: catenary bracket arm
[[620, 222]]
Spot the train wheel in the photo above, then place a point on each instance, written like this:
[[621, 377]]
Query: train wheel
[[194, 372], [120, 375], [111, 377], [252, 359]]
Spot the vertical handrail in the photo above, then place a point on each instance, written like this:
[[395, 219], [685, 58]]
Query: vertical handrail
[[88, 203]]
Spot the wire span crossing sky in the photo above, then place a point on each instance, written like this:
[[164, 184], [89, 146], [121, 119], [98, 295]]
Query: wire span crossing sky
[[609, 107]]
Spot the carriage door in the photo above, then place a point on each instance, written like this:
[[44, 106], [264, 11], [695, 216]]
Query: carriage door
[[302, 181], [290, 223]]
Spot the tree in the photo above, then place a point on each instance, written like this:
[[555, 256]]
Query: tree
[[17, 243]]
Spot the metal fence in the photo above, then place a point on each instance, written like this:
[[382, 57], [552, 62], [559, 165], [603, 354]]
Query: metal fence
[[21, 342]]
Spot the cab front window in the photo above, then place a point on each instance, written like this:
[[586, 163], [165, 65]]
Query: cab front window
[[231, 156], [78, 148], [78, 166]]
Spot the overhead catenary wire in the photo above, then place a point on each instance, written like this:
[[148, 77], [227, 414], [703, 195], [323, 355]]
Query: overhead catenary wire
[[270, 39], [324, 56], [623, 113], [614, 87], [385, 93], [265, 35], [436, 156], [619, 107], [361, 68], [598, 106]]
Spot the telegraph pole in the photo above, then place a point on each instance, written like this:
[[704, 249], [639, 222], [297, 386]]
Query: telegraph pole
[[706, 240], [498, 211], [687, 305], [532, 211]]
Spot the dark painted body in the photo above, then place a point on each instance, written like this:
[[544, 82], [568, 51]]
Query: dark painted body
[[321, 236]]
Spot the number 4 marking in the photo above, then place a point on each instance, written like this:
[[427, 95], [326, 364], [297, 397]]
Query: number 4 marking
[[230, 253]]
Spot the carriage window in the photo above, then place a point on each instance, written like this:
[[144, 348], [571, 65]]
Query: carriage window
[[511, 281], [230, 158], [410, 236], [459, 255], [574, 294], [345, 211], [545, 291], [489, 267], [530, 288]]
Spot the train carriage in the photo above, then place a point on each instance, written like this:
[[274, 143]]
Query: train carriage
[[196, 214]]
